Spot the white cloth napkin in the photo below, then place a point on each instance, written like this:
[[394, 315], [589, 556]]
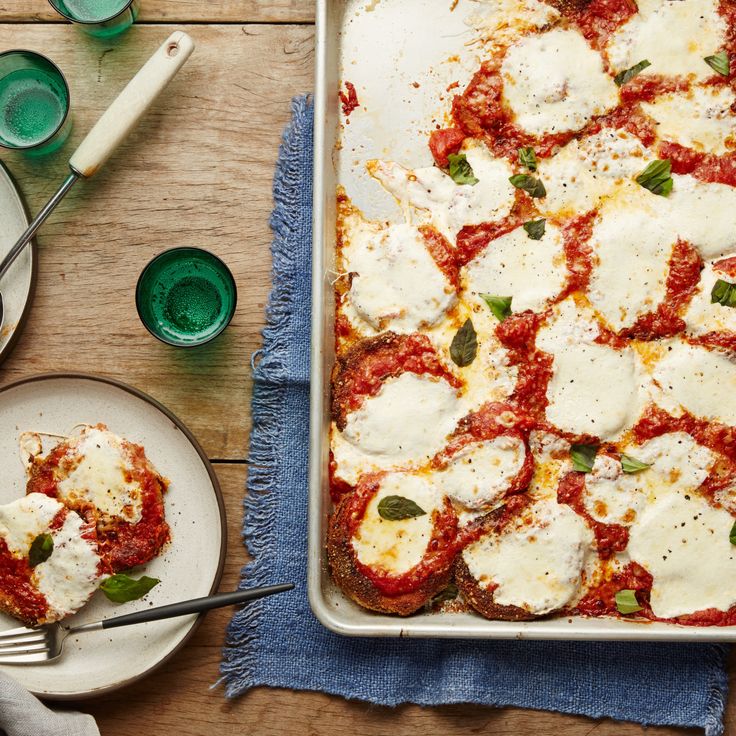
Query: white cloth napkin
[[22, 714]]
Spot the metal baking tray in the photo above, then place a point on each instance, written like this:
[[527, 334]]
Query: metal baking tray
[[386, 48]]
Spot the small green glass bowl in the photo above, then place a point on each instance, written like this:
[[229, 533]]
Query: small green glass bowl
[[110, 18], [186, 296]]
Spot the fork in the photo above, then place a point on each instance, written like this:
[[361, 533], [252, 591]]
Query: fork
[[44, 644]]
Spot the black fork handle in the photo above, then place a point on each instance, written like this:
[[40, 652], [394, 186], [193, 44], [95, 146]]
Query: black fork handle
[[197, 605]]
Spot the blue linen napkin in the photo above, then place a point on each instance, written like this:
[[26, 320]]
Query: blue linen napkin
[[278, 642]]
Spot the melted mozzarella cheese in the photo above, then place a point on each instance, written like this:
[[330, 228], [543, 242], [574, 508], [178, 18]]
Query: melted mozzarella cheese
[[500, 22], [102, 476], [70, 575], [536, 562], [571, 89], [480, 473], [699, 380], [404, 424], [700, 213], [396, 284], [396, 547], [23, 520], [611, 496], [702, 314], [632, 246], [587, 170], [579, 401], [682, 32], [708, 125], [532, 271], [442, 202], [677, 462], [684, 543]]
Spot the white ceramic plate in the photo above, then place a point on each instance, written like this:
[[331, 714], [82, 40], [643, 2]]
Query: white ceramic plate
[[190, 565], [18, 284]]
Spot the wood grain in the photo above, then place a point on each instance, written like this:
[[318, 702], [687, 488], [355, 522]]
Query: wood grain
[[197, 171], [183, 11], [178, 698]]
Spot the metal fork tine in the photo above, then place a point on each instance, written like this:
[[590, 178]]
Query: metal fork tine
[[40, 646], [26, 658], [19, 631], [27, 638]]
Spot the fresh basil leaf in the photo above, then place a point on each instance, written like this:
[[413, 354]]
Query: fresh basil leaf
[[530, 184], [499, 305], [626, 601], [657, 177], [632, 465], [460, 170], [719, 62], [41, 549], [628, 74], [528, 158], [535, 228], [732, 534], [464, 345], [447, 594], [121, 588], [723, 293], [396, 508], [583, 457]]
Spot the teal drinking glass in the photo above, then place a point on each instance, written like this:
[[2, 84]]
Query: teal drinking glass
[[186, 296], [100, 18], [34, 103]]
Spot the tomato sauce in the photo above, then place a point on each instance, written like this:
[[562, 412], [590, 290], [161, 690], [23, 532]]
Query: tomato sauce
[[349, 99], [443, 142], [682, 282], [704, 166], [441, 550], [601, 600], [442, 253], [576, 236], [598, 19], [15, 585]]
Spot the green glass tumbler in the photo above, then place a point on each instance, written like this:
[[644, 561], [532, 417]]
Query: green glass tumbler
[[100, 18], [186, 296], [34, 103]]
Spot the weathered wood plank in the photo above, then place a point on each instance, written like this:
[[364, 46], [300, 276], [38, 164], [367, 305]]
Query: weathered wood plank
[[182, 11], [198, 172]]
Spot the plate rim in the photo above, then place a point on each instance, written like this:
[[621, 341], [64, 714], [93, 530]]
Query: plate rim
[[97, 692], [26, 313]]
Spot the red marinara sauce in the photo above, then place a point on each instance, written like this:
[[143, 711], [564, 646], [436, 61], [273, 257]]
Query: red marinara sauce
[[598, 19], [441, 549], [16, 586], [349, 98]]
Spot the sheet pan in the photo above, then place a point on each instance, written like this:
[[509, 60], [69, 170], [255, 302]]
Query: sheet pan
[[386, 48]]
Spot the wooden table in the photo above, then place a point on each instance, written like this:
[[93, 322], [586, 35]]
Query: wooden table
[[198, 171]]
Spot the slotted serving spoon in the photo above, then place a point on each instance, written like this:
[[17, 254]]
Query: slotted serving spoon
[[44, 644], [110, 130]]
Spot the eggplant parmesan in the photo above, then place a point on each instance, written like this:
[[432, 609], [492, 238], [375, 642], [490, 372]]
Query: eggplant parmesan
[[49, 560], [111, 483], [534, 394]]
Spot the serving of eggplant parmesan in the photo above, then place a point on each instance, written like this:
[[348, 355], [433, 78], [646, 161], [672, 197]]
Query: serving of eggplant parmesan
[[94, 510], [534, 394]]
